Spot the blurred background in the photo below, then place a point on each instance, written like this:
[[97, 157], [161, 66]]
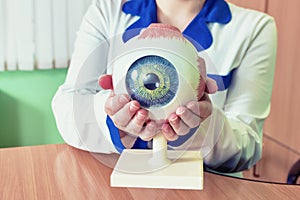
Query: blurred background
[[36, 43], [281, 144]]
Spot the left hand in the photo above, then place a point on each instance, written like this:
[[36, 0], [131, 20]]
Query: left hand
[[193, 113], [187, 117]]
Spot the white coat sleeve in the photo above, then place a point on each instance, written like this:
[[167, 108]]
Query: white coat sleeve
[[78, 105]]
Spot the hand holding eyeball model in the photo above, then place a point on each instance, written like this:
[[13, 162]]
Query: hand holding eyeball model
[[159, 85], [159, 91]]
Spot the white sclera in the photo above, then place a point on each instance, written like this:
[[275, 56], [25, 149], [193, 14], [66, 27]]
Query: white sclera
[[179, 52]]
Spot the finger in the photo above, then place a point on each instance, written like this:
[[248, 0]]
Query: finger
[[149, 131], [205, 106], [122, 133], [105, 81], [202, 80], [169, 133], [125, 114], [194, 107], [115, 102], [178, 125], [211, 86], [136, 124], [188, 117], [202, 66], [201, 87]]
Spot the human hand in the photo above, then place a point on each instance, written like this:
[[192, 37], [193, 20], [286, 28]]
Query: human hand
[[130, 118], [187, 117], [193, 113], [127, 114]]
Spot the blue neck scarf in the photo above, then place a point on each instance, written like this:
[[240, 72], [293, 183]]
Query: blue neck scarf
[[197, 32]]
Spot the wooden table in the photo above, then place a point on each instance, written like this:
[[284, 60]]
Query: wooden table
[[63, 172]]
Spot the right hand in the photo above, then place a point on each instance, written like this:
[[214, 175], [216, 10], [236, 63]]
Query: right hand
[[127, 114]]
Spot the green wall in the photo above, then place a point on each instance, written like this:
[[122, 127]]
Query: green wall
[[26, 117]]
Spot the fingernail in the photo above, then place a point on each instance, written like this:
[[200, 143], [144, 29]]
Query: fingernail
[[180, 111], [173, 118], [133, 107], [140, 116]]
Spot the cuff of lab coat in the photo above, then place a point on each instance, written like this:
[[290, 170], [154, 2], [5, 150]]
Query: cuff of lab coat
[[120, 143]]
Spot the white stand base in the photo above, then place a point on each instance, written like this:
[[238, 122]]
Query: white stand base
[[134, 169]]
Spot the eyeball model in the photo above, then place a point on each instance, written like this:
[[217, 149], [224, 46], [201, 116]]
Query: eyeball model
[[160, 69]]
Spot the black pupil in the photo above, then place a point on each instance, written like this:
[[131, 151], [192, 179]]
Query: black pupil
[[151, 81]]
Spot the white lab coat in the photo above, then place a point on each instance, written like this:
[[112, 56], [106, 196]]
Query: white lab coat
[[230, 139]]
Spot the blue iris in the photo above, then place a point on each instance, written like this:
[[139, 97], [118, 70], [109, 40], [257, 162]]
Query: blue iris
[[152, 81]]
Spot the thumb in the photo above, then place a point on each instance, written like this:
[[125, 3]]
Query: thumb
[[211, 86], [105, 81]]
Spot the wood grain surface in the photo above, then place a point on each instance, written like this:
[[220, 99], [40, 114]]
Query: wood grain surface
[[63, 172]]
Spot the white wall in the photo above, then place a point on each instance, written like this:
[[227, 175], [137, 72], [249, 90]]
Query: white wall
[[38, 33]]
